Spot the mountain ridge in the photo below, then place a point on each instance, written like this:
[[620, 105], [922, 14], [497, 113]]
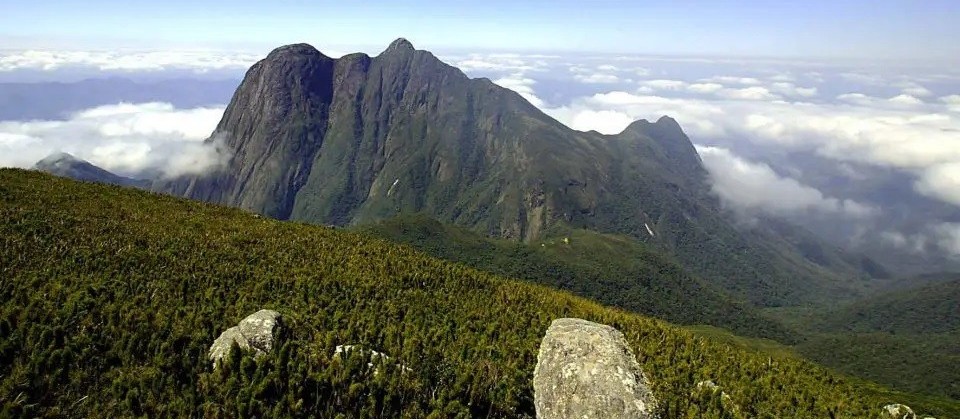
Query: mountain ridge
[[359, 139], [66, 165]]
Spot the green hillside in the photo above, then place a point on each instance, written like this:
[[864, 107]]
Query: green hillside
[[907, 338], [112, 297], [930, 308], [613, 270]]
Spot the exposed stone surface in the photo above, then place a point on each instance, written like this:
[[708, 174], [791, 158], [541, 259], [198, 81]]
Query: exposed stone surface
[[586, 370], [899, 411], [343, 350], [255, 332], [709, 386]]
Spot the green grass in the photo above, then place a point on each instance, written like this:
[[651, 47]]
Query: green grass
[[112, 297]]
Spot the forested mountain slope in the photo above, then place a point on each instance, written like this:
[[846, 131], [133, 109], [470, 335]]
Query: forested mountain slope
[[613, 270], [906, 338], [358, 139]]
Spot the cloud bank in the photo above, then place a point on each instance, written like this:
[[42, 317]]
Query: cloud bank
[[755, 187], [900, 132], [129, 61], [125, 138]]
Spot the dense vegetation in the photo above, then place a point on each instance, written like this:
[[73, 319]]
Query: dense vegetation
[[921, 363], [112, 297], [613, 270], [621, 272], [907, 338]]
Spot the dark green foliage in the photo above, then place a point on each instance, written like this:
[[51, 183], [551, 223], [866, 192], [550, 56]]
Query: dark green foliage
[[613, 270], [907, 338], [933, 308], [920, 363], [112, 297]]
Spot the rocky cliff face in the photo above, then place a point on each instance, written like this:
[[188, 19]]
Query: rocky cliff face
[[586, 370]]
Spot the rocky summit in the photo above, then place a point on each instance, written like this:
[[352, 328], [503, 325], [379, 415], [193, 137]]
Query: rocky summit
[[586, 370]]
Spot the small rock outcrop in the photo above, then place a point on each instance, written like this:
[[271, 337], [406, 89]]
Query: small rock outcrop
[[709, 386], [586, 370], [342, 350], [898, 411], [255, 332]]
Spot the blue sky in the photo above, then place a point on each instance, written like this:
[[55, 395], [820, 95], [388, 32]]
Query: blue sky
[[891, 29]]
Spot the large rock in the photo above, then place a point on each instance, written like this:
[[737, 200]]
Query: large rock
[[898, 411], [586, 370], [255, 332]]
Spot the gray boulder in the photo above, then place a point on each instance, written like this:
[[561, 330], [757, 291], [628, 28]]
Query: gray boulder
[[255, 332], [586, 370], [898, 411]]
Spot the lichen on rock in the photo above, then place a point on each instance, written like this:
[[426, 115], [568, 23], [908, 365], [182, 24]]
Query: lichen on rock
[[587, 370], [255, 332]]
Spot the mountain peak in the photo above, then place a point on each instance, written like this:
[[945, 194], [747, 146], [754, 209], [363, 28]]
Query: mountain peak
[[399, 46], [293, 50], [668, 122], [663, 125], [66, 165], [58, 158]]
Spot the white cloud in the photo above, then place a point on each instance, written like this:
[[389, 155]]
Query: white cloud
[[905, 100], [914, 89], [607, 67], [661, 84], [500, 62], [753, 92], [941, 181], [914, 243], [748, 93], [749, 186], [949, 237], [705, 88], [790, 89], [863, 78], [749, 81], [903, 134], [522, 85], [199, 61], [123, 138], [596, 78], [783, 77], [611, 112], [952, 101]]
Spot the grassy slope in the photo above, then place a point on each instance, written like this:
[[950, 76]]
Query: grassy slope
[[611, 269], [620, 272], [112, 297]]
